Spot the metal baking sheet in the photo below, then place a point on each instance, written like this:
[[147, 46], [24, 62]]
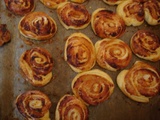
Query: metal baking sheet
[[12, 83]]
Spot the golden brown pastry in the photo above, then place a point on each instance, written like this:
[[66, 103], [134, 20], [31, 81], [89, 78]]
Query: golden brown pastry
[[71, 108], [73, 16], [79, 52], [36, 65], [107, 24], [132, 12], [140, 82], [93, 87], [146, 45], [52, 3], [113, 54], [5, 35], [33, 105], [141, 1], [78, 1], [152, 12], [113, 2], [20, 7], [37, 26]]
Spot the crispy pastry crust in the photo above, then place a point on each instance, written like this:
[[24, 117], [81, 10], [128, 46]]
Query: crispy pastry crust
[[73, 16], [5, 35], [140, 82], [113, 54], [152, 12], [36, 65], [79, 52], [146, 45], [132, 12], [20, 7], [92, 87], [107, 24], [71, 108], [37, 26], [33, 104]]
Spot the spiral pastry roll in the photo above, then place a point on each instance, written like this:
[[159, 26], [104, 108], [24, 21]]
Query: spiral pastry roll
[[52, 3], [79, 52], [131, 12], [113, 2], [107, 24], [113, 54], [146, 45], [5, 35], [37, 64], [139, 83], [71, 108], [152, 12], [34, 105], [20, 7], [38, 26], [93, 87], [73, 16], [78, 1]]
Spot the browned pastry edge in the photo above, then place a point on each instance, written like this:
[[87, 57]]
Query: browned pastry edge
[[37, 26], [36, 65], [33, 104], [69, 108], [20, 7], [5, 35]]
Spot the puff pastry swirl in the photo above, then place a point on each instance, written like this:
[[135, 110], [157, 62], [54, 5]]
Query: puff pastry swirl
[[107, 24], [73, 16], [5, 35], [140, 82], [52, 3], [71, 108], [37, 26], [92, 87], [36, 64], [113, 54], [79, 52], [152, 12], [20, 7], [34, 105], [146, 45], [132, 12]]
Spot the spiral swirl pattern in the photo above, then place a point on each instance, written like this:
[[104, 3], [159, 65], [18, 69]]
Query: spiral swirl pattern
[[37, 64], [146, 45], [33, 104], [73, 16], [140, 82], [113, 54], [92, 87], [71, 108], [20, 7], [79, 52], [107, 24], [132, 12], [38, 26], [152, 12]]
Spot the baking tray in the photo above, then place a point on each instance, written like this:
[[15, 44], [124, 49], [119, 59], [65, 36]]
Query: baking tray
[[12, 83]]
